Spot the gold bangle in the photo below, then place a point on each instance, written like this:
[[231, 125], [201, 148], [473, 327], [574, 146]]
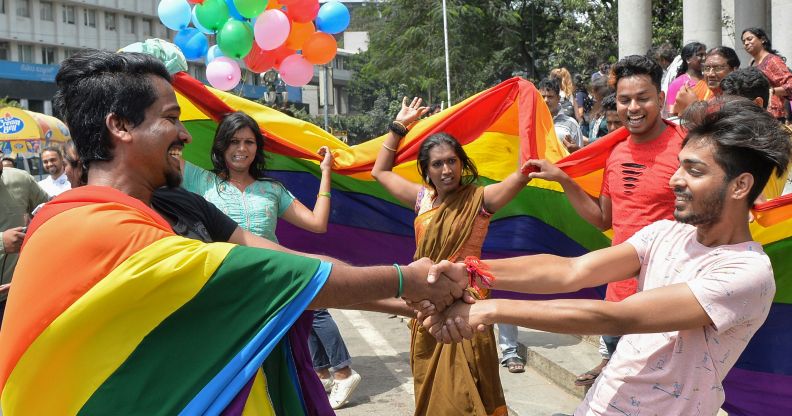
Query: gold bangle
[[327, 194], [389, 148]]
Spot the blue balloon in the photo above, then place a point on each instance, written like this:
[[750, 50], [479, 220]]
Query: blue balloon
[[232, 10], [174, 14], [213, 53], [192, 43], [333, 18], [198, 25]]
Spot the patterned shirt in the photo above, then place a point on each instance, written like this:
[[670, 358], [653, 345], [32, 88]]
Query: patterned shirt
[[680, 372], [256, 209]]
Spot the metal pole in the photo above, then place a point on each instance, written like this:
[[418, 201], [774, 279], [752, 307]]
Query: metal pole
[[448, 71], [327, 97]]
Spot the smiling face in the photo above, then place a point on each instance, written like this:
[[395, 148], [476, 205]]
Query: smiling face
[[697, 59], [445, 169], [161, 137], [638, 104], [715, 69], [699, 185], [241, 151], [53, 163], [752, 43]]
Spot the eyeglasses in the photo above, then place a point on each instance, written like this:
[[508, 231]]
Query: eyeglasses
[[716, 68]]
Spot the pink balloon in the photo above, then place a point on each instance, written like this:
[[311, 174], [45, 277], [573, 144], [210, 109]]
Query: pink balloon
[[271, 29], [296, 70], [223, 73]]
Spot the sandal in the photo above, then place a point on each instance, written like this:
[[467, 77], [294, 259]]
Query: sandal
[[515, 365], [589, 377]]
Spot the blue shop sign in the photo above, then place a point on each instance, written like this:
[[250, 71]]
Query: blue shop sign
[[28, 72]]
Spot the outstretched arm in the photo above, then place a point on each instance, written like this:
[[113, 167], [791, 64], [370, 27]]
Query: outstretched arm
[[314, 220], [499, 194], [670, 308], [596, 212], [402, 189], [243, 237]]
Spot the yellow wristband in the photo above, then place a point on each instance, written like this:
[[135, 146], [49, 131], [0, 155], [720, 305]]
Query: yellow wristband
[[327, 194]]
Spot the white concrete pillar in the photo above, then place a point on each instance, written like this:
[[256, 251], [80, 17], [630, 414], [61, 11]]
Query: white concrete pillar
[[701, 22], [780, 11], [635, 27], [748, 14]]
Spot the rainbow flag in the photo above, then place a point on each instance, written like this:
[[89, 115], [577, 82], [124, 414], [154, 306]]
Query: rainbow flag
[[498, 127], [129, 318]]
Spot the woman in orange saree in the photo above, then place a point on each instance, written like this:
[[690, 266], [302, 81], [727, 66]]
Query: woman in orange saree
[[453, 215]]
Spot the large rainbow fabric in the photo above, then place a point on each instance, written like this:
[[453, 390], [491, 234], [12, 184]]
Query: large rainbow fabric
[[129, 318], [498, 128]]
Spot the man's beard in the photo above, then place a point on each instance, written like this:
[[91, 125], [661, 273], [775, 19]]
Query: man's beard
[[173, 179], [711, 208]]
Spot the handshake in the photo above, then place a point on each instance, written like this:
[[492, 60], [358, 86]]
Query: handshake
[[443, 301]]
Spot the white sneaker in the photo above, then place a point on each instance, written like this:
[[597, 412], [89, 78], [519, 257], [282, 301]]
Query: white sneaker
[[327, 383], [342, 389]]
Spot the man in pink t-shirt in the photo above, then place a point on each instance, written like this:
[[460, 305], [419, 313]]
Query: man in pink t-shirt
[[704, 286], [635, 190]]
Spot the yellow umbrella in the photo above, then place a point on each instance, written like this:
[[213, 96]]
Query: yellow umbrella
[[25, 132]]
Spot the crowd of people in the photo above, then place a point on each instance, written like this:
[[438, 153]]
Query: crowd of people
[[699, 147]]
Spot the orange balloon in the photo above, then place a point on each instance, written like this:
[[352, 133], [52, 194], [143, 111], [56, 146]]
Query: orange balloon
[[299, 34], [274, 4], [320, 48]]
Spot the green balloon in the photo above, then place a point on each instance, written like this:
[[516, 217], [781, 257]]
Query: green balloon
[[212, 14], [250, 8], [235, 39]]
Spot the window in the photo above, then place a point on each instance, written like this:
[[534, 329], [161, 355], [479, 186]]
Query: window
[[71, 52], [48, 55], [23, 8], [45, 11], [5, 50], [2, 6], [110, 21], [68, 14], [148, 27], [89, 18], [129, 23], [25, 53]]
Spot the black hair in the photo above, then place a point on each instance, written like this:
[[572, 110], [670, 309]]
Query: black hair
[[728, 54], [636, 65], [749, 83], [550, 84], [666, 51], [687, 52], [762, 35], [92, 84], [746, 139], [609, 103], [68, 146], [232, 123], [53, 148], [469, 171]]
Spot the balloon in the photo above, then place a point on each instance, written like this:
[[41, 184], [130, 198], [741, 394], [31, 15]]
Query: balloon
[[288, 3], [250, 8], [299, 34], [212, 14], [174, 14], [281, 54], [333, 18], [271, 29], [259, 60], [223, 73], [320, 48], [296, 71], [213, 53], [195, 1], [304, 11], [192, 43], [198, 25], [232, 10], [274, 4], [235, 39]]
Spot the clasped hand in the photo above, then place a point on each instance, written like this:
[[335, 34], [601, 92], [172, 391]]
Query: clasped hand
[[448, 312]]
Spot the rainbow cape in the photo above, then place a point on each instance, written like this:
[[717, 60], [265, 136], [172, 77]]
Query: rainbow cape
[[498, 128], [128, 318]]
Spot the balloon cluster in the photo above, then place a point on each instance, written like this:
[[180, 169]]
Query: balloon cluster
[[290, 36]]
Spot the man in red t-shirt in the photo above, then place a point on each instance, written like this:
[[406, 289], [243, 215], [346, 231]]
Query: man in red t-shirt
[[635, 190]]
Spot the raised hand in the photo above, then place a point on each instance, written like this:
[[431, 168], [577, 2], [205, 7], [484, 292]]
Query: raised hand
[[327, 158], [411, 112], [546, 170]]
